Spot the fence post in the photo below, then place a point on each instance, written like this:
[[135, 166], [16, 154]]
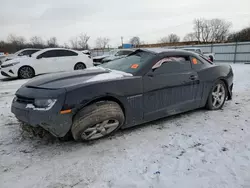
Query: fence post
[[235, 52]]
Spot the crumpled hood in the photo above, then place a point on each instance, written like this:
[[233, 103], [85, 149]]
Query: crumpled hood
[[69, 79]]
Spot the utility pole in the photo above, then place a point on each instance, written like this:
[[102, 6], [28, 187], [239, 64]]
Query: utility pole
[[122, 41]]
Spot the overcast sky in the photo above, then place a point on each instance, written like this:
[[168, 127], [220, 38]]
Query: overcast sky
[[148, 19]]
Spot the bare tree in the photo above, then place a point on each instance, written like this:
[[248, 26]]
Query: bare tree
[[241, 36], [102, 42], [189, 37], [197, 29], [37, 42], [83, 41], [52, 42], [215, 30], [172, 38], [220, 30], [17, 40], [74, 42], [135, 41], [164, 40], [65, 45]]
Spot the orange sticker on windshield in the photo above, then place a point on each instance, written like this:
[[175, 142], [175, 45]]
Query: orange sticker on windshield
[[134, 66], [194, 61]]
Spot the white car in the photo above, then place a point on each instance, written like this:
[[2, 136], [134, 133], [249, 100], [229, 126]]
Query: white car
[[46, 61], [21, 53]]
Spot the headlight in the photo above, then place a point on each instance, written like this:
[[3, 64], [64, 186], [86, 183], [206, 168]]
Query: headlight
[[9, 65], [44, 103]]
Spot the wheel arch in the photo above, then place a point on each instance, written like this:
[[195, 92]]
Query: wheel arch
[[224, 80], [26, 66], [80, 63], [104, 98]]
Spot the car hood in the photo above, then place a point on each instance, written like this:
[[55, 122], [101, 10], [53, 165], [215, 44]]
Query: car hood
[[73, 78]]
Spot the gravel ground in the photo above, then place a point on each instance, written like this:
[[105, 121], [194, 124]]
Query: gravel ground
[[207, 149]]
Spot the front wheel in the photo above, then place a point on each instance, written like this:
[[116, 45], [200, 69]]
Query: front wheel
[[97, 120], [217, 96], [26, 72]]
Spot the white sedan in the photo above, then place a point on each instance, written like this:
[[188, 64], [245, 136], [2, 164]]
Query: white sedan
[[46, 61]]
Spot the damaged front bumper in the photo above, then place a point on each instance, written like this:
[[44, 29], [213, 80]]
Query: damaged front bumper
[[49, 119]]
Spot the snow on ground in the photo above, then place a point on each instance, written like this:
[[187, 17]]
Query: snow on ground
[[199, 149]]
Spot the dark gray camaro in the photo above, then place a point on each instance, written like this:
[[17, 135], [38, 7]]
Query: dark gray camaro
[[145, 86]]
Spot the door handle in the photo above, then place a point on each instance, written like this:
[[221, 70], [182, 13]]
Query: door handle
[[193, 77]]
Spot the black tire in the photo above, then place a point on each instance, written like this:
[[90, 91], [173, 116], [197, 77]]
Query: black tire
[[79, 66], [93, 116], [211, 98], [26, 72]]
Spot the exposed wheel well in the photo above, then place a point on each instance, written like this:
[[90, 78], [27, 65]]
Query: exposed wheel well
[[227, 87], [106, 98]]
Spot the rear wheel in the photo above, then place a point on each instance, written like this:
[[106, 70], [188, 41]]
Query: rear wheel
[[80, 66], [97, 120], [217, 96], [26, 72]]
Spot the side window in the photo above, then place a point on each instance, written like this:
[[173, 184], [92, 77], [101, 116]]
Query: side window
[[196, 63], [63, 53], [172, 64], [27, 52], [48, 54]]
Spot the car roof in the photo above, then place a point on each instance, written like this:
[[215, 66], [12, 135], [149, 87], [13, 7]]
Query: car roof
[[47, 49]]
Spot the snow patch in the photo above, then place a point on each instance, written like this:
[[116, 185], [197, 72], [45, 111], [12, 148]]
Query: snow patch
[[113, 74]]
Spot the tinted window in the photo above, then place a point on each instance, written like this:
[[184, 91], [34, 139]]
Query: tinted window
[[48, 54], [172, 64], [130, 64], [63, 53], [27, 52]]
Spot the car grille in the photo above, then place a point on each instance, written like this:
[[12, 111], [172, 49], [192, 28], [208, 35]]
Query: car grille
[[24, 100]]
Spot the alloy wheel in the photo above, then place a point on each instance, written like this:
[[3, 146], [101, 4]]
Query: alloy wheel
[[218, 95], [99, 130]]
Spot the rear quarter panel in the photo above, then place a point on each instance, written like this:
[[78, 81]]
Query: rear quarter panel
[[209, 75]]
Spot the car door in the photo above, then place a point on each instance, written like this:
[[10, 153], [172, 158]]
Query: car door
[[170, 87], [47, 62], [67, 60]]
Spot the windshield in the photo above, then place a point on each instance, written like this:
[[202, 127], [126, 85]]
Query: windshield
[[130, 64], [18, 52]]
